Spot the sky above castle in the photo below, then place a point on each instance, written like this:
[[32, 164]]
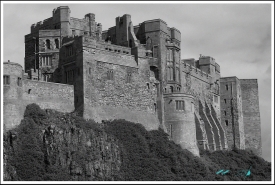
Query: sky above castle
[[238, 36]]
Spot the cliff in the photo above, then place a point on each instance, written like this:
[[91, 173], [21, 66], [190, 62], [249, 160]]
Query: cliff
[[53, 146]]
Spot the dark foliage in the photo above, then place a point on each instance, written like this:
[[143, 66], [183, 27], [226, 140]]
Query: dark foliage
[[146, 156]]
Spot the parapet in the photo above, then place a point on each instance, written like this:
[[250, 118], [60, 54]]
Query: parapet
[[175, 34], [196, 72], [249, 81], [206, 60]]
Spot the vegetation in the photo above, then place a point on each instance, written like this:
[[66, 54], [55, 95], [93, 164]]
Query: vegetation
[[146, 156]]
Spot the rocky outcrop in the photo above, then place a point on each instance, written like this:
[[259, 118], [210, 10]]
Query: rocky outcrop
[[82, 152]]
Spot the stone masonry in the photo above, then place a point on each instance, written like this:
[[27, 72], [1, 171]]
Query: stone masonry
[[134, 73]]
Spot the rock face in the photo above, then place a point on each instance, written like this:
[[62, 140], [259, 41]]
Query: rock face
[[64, 147], [81, 153]]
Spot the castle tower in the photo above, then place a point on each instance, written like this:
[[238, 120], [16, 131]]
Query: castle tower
[[12, 78], [231, 112], [61, 20], [92, 27], [251, 115], [180, 120]]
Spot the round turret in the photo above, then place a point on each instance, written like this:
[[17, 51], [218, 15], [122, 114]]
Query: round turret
[[180, 120]]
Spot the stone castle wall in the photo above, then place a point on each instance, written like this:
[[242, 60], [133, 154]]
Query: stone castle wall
[[129, 94], [47, 95], [251, 115]]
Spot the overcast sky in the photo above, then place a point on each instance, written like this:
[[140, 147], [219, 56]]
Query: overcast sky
[[238, 36]]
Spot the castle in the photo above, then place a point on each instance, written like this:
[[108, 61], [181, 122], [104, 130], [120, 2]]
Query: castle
[[134, 73]]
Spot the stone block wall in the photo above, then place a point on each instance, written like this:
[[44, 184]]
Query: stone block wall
[[18, 94], [251, 115], [231, 111], [114, 97]]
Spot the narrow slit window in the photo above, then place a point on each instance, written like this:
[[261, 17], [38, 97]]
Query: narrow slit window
[[226, 122]]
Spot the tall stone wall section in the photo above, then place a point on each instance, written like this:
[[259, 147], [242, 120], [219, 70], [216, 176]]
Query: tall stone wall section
[[231, 110], [251, 115], [47, 95], [115, 98]]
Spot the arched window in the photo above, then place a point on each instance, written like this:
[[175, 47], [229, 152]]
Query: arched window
[[56, 43], [48, 44]]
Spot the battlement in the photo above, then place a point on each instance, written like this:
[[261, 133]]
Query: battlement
[[79, 20], [249, 81], [196, 72], [45, 24], [107, 46], [206, 60]]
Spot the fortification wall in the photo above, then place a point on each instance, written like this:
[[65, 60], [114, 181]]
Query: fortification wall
[[45, 24], [108, 94], [196, 82], [251, 115]]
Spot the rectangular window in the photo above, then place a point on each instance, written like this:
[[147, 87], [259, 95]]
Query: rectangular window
[[225, 101], [225, 113], [69, 51], [6, 80], [19, 81], [128, 78], [110, 75], [226, 87], [179, 105], [215, 99]]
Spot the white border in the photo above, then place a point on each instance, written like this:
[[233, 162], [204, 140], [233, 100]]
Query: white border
[[145, 2]]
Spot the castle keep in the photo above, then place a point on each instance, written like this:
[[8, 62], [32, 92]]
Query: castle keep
[[134, 73]]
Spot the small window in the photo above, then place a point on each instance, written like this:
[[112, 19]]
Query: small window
[[128, 78], [155, 107], [226, 87], [6, 80], [165, 90], [148, 85], [48, 44], [179, 105], [90, 70], [73, 32], [226, 122], [19, 81], [224, 100], [29, 91], [171, 89], [110, 75], [225, 113], [56, 43]]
